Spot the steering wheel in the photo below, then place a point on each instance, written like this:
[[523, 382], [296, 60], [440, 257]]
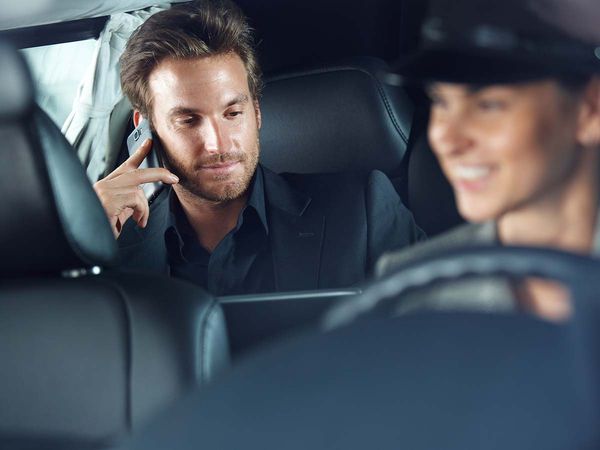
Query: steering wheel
[[579, 273], [419, 381]]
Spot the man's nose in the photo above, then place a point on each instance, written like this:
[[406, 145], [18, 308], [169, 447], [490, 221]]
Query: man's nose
[[214, 137]]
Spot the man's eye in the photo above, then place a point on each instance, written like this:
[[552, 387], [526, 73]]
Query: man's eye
[[186, 121], [234, 113]]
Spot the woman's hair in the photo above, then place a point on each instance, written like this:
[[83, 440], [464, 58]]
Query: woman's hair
[[574, 83]]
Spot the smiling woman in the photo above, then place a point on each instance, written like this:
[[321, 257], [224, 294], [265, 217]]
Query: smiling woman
[[516, 134], [509, 148]]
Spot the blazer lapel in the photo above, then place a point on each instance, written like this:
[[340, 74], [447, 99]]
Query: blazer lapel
[[296, 235]]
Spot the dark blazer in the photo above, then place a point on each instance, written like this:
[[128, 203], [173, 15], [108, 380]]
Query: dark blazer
[[326, 230]]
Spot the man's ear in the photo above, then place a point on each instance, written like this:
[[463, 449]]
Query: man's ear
[[588, 131], [137, 118], [258, 115]]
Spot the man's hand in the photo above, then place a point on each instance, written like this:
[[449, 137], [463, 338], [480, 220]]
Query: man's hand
[[121, 192]]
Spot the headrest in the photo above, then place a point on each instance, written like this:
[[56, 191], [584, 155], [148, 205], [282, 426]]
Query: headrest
[[16, 88], [50, 218], [332, 119]]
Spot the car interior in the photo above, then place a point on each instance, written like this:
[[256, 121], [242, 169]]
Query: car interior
[[456, 380], [92, 355], [116, 342]]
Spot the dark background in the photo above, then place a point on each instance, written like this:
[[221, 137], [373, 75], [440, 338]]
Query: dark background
[[291, 33]]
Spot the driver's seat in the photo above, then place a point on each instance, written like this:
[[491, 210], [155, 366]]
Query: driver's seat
[[86, 355], [422, 381]]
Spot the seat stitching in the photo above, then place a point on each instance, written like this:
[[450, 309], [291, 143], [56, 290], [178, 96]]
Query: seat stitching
[[378, 85], [129, 330]]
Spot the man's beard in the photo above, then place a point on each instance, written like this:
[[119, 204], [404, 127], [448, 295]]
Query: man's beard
[[229, 189]]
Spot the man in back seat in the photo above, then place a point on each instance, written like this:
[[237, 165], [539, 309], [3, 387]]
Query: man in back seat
[[226, 222]]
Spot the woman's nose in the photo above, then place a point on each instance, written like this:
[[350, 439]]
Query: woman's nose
[[448, 135]]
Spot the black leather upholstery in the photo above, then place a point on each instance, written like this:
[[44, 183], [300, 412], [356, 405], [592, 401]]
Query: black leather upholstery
[[335, 118], [450, 381], [49, 209], [430, 196], [348, 117], [93, 357], [83, 359]]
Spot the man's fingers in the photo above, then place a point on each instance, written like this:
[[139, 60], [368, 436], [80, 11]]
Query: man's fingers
[[113, 199], [116, 204], [144, 219], [123, 197], [109, 191], [141, 214], [134, 161], [118, 221], [140, 176], [132, 200], [125, 215]]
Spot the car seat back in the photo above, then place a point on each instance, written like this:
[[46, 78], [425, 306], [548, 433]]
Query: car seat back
[[87, 354]]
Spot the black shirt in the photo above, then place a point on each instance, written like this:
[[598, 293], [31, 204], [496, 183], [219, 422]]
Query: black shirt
[[241, 263]]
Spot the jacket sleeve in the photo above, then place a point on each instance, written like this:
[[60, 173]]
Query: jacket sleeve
[[390, 225]]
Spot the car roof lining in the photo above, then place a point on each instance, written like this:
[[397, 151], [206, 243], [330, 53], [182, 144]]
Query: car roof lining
[[283, 39], [56, 33], [43, 12]]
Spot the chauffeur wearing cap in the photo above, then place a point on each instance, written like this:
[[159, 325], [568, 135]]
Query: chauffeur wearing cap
[[515, 125]]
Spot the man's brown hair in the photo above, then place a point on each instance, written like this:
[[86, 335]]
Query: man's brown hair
[[194, 30]]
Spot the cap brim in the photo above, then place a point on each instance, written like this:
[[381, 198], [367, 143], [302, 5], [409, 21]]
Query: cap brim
[[478, 67]]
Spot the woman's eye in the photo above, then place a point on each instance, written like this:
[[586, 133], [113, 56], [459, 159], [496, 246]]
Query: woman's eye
[[490, 105], [437, 101]]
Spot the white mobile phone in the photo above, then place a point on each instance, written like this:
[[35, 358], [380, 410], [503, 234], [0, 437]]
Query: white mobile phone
[[137, 137]]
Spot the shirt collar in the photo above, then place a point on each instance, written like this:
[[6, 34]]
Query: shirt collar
[[176, 229]]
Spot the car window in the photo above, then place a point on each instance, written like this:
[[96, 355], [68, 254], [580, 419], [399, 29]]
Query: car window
[[57, 72], [78, 85]]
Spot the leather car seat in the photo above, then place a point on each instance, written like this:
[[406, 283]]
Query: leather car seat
[[424, 380], [349, 117], [87, 354], [335, 118], [430, 196]]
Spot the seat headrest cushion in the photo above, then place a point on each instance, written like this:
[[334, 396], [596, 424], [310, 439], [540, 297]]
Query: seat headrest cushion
[[50, 217], [333, 119]]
